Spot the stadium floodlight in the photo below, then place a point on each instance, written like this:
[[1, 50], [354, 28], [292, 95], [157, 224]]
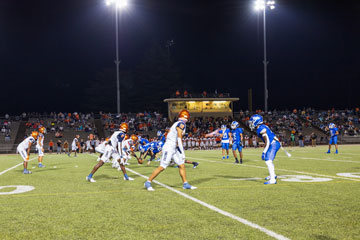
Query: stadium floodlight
[[119, 5], [262, 5]]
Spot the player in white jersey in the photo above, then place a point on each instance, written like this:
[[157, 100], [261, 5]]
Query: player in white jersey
[[112, 150], [74, 145], [40, 146], [24, 149], [173, 149], [128, 149], [101, 148]]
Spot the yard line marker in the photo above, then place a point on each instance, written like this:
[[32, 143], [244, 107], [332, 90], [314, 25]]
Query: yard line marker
[[9, 169], [218, 210], [305, 158], [278, 169]]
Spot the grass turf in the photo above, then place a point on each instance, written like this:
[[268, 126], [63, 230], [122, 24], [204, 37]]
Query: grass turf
[[64, 206]]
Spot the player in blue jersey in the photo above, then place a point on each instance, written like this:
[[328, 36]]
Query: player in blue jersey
[[224, 133], [161, 136], [154, 149], [236, 136], [144, 146], [272, 145], [334, 132]]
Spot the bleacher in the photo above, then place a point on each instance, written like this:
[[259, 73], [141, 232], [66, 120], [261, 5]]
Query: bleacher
[[283, 123]]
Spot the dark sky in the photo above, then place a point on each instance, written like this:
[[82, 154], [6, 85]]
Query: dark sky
[[52, 50]]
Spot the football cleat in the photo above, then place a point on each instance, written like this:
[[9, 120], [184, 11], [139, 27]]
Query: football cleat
[[195, 164], [268, 178], [328, 151], [188, 186], [90, 179], [269, 182], [26, 171], [148, 186], [336, 152], [240, 161], [41, 165], [129, 179], [236, 161]]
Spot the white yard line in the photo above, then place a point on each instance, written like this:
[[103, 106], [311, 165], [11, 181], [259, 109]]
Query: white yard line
[[306, 158], [218, 210], [285, 170], [9, 169]]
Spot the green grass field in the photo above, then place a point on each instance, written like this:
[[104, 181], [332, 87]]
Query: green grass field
[[313, 203]]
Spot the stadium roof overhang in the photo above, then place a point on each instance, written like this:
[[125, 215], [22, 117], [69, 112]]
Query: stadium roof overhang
[[200, 99]]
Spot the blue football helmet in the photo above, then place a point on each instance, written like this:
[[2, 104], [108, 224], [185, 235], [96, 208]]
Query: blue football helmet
[[159, 133], [223, 127], [234, 124], [331, 125], [255, 121]]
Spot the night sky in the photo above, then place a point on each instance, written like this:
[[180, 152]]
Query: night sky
[[53, 53]]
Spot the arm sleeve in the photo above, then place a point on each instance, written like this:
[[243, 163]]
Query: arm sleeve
[[216, 132], [180, 145]]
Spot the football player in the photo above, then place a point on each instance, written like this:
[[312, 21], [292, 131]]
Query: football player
[[128, 150], [236, 137], [24, 149], [272, 145], [173, 149], [40, 146], [334, 132], [74, 145], [224, 133], [112, 150]]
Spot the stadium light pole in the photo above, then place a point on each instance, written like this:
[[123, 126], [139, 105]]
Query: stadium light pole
[[262, 5], [119, 5]]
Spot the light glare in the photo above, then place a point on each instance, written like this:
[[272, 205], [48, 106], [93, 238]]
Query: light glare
[[118, 3], [262, 4]]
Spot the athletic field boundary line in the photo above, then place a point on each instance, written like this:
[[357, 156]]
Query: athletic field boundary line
[[13, 167], [218, 210], [279, 169]]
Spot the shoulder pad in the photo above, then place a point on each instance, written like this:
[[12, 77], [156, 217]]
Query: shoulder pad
[[181, 125]]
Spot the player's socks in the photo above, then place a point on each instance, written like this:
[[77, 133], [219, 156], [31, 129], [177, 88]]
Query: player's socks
[[336, 152], [90, 175], [240, 161], [271, 168], [148, 186]]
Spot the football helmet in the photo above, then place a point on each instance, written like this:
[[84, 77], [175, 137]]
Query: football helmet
[[124, 127], [42, 129], [134, 138], [35, 134], [331, 125], [234, 124], [255, 121], [184, 115]]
